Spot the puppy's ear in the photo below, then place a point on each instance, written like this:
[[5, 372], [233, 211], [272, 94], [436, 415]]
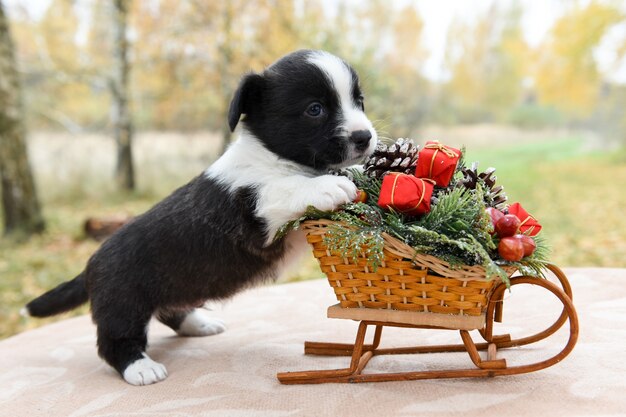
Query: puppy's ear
[[248, 95]]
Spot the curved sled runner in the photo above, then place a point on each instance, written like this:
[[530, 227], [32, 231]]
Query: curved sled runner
[[489, 367]]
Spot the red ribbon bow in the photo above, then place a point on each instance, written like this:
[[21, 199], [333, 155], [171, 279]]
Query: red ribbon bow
[[530, 226]]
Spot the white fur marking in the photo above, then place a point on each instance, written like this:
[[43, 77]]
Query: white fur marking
[[285, 189], [199, 323], [337, 71], [144, 372], [24, 312], [296, 246], [288, 198]]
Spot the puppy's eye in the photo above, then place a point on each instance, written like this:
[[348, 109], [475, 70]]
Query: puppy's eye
[[359, 102], [315, 110]]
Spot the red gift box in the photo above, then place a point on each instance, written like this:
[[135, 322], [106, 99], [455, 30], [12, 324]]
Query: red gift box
[[530, 225], [406, 193], [437, 162]]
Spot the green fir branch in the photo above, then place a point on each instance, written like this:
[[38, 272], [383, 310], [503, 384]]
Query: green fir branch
[[355, 243], [457, 229], [455, 211], [366, 183], [311, 213]]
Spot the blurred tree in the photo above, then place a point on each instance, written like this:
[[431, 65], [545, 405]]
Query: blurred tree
[[187, 58], [226, 47], [488, 62], [70, 72], [567, 74], [159, 90], [362, 34], [58, 27], [19, 198], [53, 93], [120, 112], [278, 22], [607, 116], [408, 89]]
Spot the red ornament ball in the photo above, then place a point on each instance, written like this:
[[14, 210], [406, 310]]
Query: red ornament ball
[[511, 249], [528, 243], [508, 225], [495, 215], [361, 196]]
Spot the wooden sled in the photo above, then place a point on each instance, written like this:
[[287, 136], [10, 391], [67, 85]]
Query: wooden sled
[[489, 366]]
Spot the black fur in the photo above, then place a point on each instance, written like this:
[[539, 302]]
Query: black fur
[[247, 94], [65, 297], [200, 243], [275, 104], [204, 241]]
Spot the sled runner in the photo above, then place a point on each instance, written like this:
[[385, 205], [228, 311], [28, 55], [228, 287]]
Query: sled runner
[[407, 276]]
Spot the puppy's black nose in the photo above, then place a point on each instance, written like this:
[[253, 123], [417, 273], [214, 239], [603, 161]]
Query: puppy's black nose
[[361, 139]]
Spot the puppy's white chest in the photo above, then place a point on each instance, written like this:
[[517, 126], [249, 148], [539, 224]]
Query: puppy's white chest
[[296, 247], [288, 198], [284, 189]]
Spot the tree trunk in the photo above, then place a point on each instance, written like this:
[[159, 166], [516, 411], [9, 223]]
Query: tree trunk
[[121, 118], [21, 208], [224, 68]]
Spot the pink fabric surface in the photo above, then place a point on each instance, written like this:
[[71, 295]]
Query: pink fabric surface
[[54, 370]]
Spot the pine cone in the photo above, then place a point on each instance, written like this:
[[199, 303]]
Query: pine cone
[[494, 195], [400, 156]]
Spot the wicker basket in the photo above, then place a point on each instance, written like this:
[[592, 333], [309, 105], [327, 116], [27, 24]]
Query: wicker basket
[[406, 280]]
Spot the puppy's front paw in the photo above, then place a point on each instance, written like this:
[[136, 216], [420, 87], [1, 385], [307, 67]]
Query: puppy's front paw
[[144, 371], [199, 323], [330, 192]]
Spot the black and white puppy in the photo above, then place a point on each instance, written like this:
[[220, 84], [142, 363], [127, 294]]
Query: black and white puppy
[[215, 236]]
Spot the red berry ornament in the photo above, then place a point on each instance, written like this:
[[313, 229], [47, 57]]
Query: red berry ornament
[[495, 215], [511, 249], [361, 196], [508, 225], [528, 243]]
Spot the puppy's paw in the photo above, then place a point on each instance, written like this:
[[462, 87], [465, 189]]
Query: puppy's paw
[[144, 371], [199, 323], [332, 191]]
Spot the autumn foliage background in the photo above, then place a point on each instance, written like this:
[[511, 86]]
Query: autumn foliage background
[[187, 57], [548, 115]]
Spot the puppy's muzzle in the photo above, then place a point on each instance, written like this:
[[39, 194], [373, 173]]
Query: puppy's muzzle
[[361, 139]]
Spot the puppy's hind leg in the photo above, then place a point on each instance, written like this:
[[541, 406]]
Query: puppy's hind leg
[[122, 343], [190, 323]]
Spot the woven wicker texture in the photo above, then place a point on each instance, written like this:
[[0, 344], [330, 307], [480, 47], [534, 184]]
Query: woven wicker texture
[[406, 280]]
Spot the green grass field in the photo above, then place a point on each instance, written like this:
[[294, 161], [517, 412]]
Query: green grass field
[[576, 193]]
